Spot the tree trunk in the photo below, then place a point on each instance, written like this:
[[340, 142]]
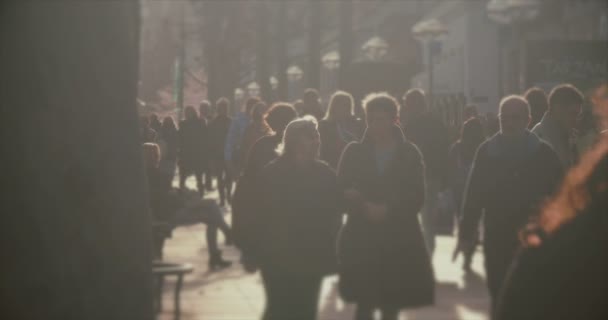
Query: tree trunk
[[283, 59], [346, 40], [262, 73], [75, 222], [314, 64]]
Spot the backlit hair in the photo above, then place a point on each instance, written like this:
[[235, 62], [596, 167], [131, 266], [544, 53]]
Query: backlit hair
[[381, 102], [306, 125], [340, 99]]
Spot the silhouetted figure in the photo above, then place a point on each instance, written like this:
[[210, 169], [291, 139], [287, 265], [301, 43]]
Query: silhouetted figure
[[218, 130], [168, 140], [299, 106], [537, 99], [563, 271], [146, 133], [491, 124], [256, 129], [312, 104], [430, 135], [297, 224], [558, 124], [339, 127], [246, 192], [512, 174], [232, 150], [383, 261], [207, 114], [173, 207], [594, 122], [155, 123], [469, 112], [461, 160], [192, 148]]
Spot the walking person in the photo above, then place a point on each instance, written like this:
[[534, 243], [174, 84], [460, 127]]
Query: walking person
[[168, 140], [218, 131], [537, 99], [562, 271], [178, 208], [430, 135], [207, 114], [246, 193], [513, 172], [234, 139], [339, 127], [461, 160], [557, 126], [298, 219], [192, 145], [383, 260], [256, 129]]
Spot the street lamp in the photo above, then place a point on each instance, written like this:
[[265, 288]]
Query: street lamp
[[331, 60], [429, 32], [375, 48], [239, 94], [253, 89], [513, 13]]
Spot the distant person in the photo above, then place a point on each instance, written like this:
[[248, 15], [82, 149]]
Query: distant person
[[339, 127], [192, 149], [537, 99], [246, 193], [383, 260], [299, 106], [175, 208], [155, 122], [430, 135], [207, 114], [146, 133], [297, 225], [218, 131], [232, 150], [595, 120], [168, 141], [512, 174], [461, 160], [312, 104], [469, 112], [557, 126], [256, 129], [491, 124], [562, 273]]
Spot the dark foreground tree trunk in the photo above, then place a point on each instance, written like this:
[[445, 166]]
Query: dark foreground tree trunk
[[75, 227]]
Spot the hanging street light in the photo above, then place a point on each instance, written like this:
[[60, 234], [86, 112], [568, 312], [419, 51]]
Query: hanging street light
[[375, 48], [331, 60]]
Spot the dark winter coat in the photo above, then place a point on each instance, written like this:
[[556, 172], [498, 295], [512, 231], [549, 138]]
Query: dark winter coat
[[567, 276], [298, 217], [246, 193], [333, 142], [510, 184], [193, 145], [385, 263], [218, 131], [430, 135]]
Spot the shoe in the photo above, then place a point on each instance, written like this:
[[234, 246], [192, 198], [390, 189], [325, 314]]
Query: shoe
[[216, 262]]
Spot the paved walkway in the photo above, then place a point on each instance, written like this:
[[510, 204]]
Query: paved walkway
[[233, 294]]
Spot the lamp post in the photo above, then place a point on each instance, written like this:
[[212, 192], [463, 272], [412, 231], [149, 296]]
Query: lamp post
[[294, 75], [375, 48], [429, 32], [510, 14]]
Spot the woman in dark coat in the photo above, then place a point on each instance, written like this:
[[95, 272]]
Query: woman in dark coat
[[192, 145], [461, 160], [298, 220], [383, 260], [563, 271], [168, 140], [246, 194], [218, 130], [339, 128]]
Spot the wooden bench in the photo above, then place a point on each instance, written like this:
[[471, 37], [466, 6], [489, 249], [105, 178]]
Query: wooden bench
[[160, 269]]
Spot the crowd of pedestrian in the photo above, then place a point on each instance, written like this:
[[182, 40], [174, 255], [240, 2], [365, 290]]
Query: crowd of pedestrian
[[321, 191]]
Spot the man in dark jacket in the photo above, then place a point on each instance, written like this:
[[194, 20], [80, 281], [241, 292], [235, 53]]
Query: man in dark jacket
[[192, 148], [512, 173], [218, 131]]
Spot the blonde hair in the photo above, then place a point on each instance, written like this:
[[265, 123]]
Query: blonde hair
[[294, 130], [151, 153]]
